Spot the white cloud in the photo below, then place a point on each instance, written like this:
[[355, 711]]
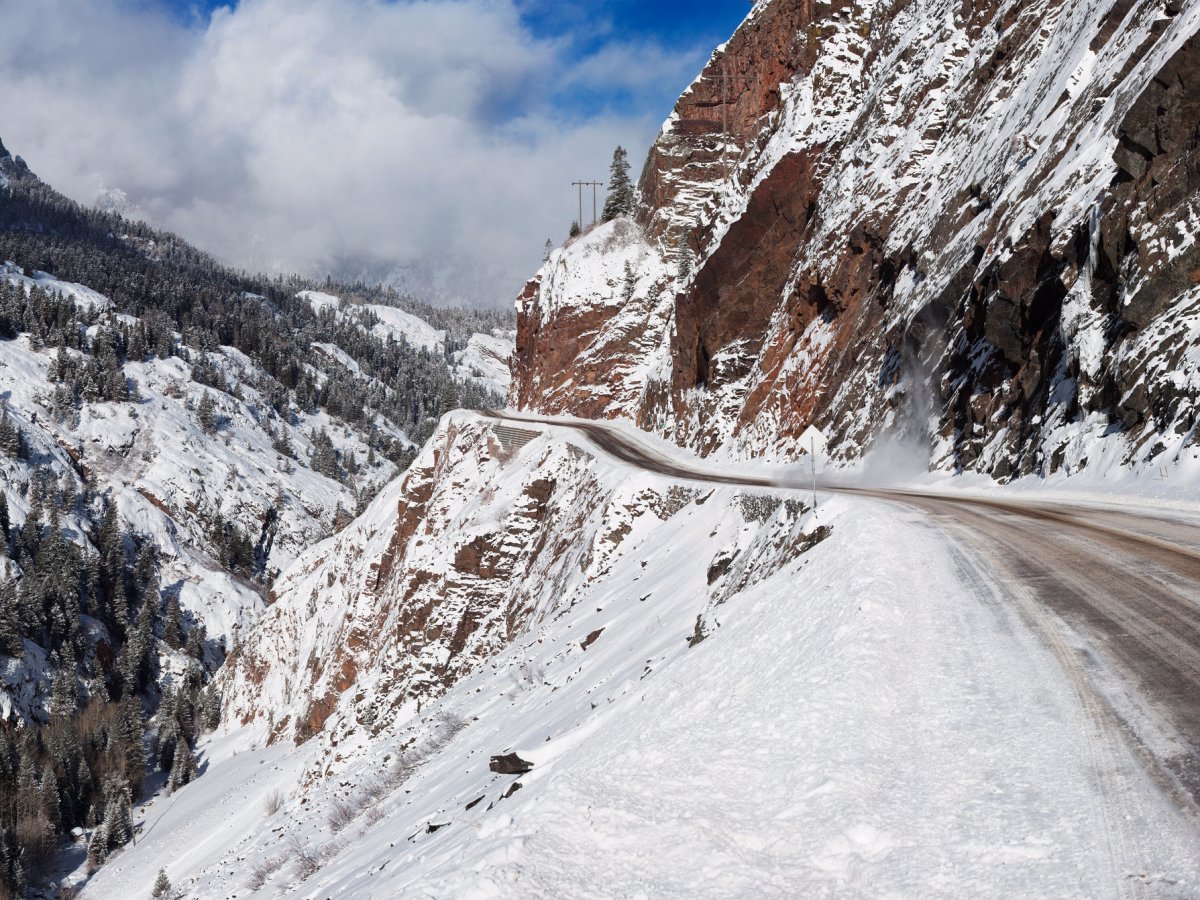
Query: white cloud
[[310, 134]]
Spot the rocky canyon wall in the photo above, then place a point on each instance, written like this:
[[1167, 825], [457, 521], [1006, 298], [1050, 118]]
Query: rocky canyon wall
[[969, 224]]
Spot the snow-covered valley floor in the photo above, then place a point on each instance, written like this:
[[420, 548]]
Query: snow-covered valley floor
[[873, 719]]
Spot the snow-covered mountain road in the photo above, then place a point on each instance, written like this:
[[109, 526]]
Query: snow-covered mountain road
[[1114, 593]]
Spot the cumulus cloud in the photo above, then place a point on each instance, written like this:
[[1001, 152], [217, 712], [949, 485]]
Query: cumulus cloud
[[432, 142]]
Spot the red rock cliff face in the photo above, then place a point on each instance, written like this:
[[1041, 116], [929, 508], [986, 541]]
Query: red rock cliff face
[[971, 223]]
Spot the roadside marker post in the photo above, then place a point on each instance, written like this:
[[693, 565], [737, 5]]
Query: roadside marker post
[[817, 442]]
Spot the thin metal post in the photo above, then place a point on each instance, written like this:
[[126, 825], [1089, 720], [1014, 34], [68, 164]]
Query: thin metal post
[[812, 452]]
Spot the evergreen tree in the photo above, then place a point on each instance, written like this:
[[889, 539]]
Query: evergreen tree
[[574, 232], [685, 258], [116, 828], [4, 522], [630, 282], [129, 731], [619, 201], [12, 441], [162, 887], [195, 642], [324, 457], [183, 769], [173, 624], [206, 413], [10, 622], [210, 708], [64, 691]]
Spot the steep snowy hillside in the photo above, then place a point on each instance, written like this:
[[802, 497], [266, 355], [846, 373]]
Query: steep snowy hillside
[[971, 224], [172, 435], [482, 359], [530, 671]]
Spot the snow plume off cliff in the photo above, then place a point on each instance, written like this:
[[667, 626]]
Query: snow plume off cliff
[[1003, 191]]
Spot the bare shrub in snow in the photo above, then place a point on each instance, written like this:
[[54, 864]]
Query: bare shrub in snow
[[306, 860], [342, 813], [445, 726], [264, 870], [272, 802], [371, 816], [529, 674], [373, 791], [624, 231]]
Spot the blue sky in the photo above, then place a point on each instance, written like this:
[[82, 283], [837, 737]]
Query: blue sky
[[429, 144]]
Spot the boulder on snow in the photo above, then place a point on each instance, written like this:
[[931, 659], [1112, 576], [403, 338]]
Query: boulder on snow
[[509, 764]]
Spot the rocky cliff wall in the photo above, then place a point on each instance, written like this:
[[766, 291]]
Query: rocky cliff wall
[[971, 224], [480, 545]]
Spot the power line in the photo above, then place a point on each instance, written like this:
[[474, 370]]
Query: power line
[[593, 185]]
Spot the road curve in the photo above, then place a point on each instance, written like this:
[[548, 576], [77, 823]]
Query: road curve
[[1109, 591]]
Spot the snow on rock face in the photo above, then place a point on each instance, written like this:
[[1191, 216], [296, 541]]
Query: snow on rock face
[[953, 221], [592, 325], [475, 546]]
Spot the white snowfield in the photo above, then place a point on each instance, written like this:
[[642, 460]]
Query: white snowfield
[[866, 719]]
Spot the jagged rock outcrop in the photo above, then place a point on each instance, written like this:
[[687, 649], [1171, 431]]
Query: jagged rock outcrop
[[13, 168], [477, 546], [971, 224]]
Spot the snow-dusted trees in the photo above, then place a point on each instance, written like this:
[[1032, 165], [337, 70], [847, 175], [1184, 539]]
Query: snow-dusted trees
[[116, 828], [206, 413], [12, 442], [620, 199], [183, 768], [162, 886], [163, 890], [10, 622], [324, 457], [173, 623]]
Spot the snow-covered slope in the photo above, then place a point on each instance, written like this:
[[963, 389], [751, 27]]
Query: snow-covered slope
[[171, 479], [485, 360], [390, 322], [718, 695]]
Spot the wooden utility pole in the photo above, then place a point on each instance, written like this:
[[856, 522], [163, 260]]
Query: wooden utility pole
[[581, 185], [725, 78], [595, 184], [579, 221]]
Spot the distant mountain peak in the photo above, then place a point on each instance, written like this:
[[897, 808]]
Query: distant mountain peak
[[13, 167]]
